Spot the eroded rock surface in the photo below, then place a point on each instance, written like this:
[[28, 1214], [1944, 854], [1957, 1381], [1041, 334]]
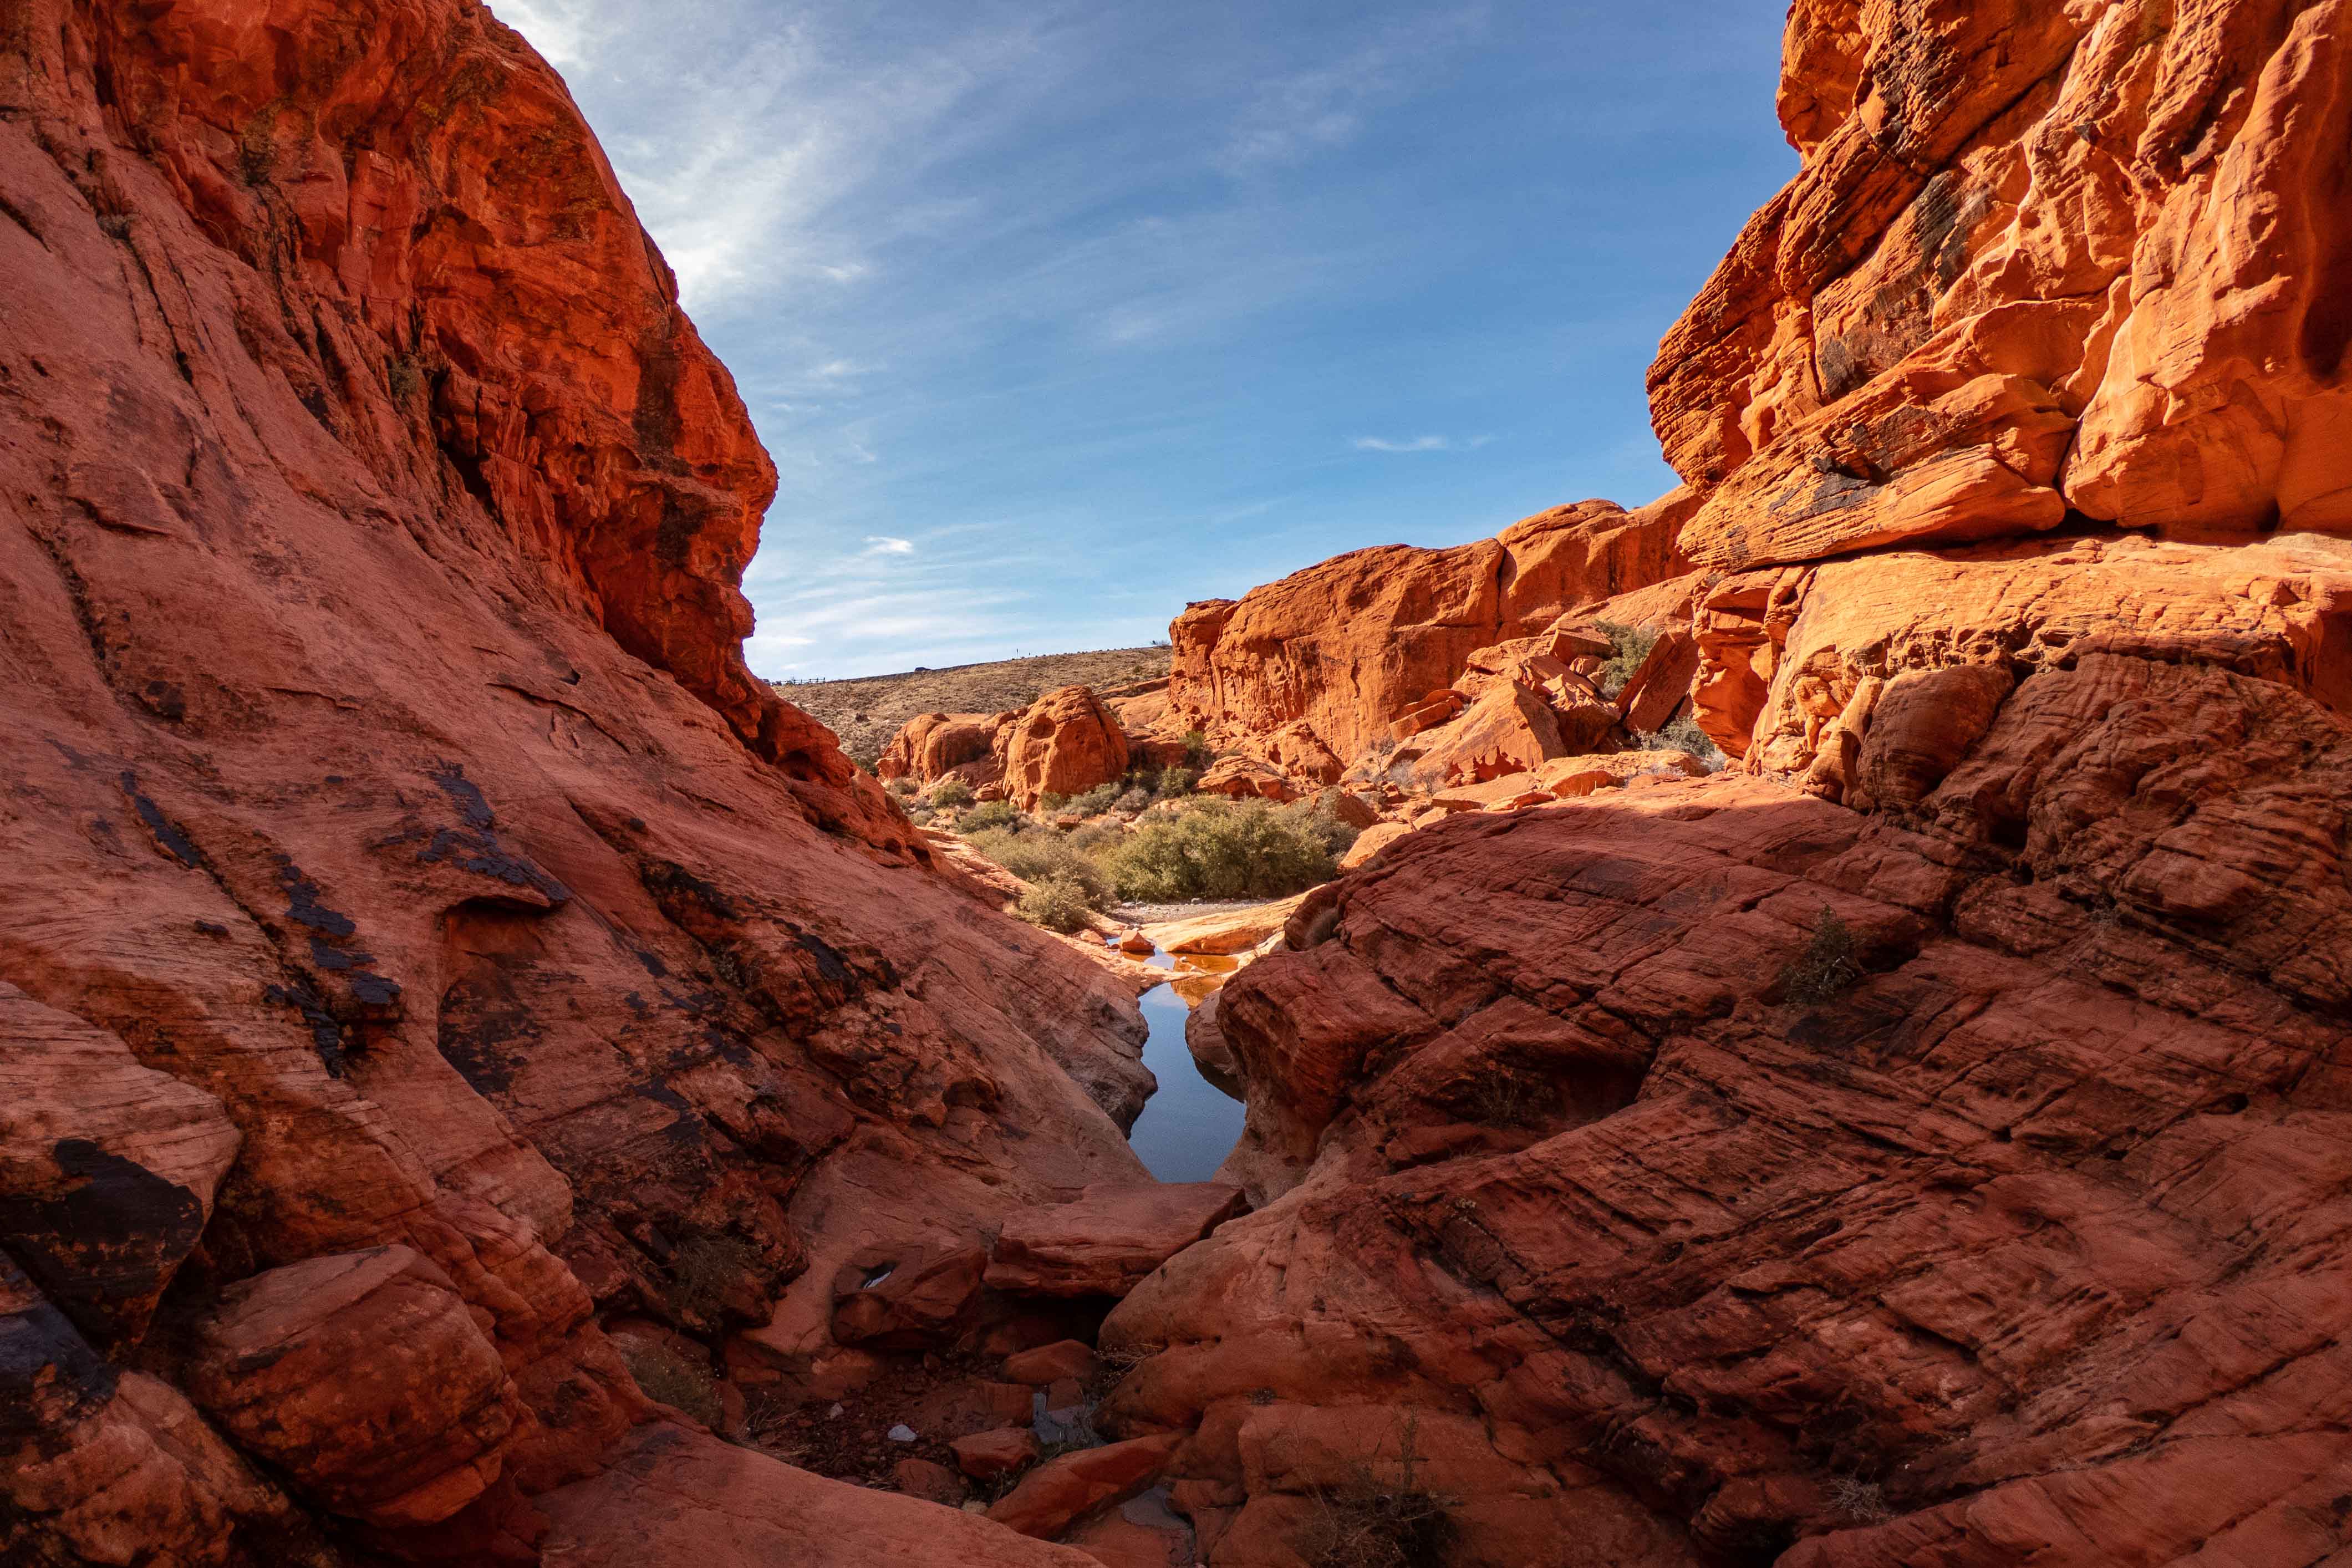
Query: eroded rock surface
[[424, 938]]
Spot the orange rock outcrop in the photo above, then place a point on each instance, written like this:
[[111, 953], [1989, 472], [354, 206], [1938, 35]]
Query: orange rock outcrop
[[422, 939], [1927, 1141], [1310, 672]]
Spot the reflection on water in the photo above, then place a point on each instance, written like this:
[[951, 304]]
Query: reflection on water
[[1189, 1125]]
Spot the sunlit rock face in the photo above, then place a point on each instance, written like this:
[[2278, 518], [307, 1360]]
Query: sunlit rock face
[[421, 939], [1927, 1141]]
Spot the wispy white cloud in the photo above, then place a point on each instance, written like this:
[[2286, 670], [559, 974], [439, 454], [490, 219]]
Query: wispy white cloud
[[883, 544], [1294, 118], [1419, 444], [566, 31]]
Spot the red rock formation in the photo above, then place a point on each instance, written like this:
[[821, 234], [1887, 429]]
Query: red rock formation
[[1335, 654], [1931, 1147], [1066, 743], [423, 937], [2039, 259]]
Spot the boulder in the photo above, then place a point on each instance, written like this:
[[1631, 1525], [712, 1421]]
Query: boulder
[[1109, 1239], [1072, 1485], [1044, 1364], [1246, 778], [1508, 730], [931, 746], [1066, 743], [1006, 1451], [363, 1377], [1572, 778], [1348, 807], [931, 1481], [919, 1296], [1370, 842]]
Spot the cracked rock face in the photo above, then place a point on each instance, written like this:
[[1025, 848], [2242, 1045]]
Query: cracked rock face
[[423, 937], [1929, 1141]]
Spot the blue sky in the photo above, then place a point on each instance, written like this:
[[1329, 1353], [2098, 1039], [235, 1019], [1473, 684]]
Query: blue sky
[[1057, 316]]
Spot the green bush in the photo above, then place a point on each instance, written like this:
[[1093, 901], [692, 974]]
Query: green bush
[[902, 787], [1176, 781], [1036, 857], [1133, 801], [1214, 849], [951, 792], [991, 815], [1056, 904], [1094, 803], [1632, 644], [1336, 835]]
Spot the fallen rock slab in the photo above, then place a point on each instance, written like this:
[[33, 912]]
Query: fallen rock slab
[[1049, 1365], [1006, 1451], [1228, 932], [1076, 1484], [1109, 1240], [678, 1497]]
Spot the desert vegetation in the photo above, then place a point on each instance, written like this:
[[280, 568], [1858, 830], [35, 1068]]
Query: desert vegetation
[[1146, 839]]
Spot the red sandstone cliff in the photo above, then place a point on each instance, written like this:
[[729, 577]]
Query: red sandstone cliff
[[1930, 1143], [422, 941]]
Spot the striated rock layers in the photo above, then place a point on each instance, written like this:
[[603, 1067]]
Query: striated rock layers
[[1931, 1143], [422, 939], [1311, 672]]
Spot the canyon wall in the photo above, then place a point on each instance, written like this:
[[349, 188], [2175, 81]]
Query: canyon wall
[[1309, 672], [423, 942], [1931, 1139]]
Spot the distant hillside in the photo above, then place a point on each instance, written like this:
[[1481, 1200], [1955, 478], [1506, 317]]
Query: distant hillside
[[867, 713]]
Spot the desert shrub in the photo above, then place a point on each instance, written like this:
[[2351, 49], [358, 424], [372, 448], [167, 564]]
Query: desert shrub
[[901, 786], [991, 815], [1094, 803], [919, 815], [1863, 1501], [1829, 966], [1133, 801], [1037, 858], [1336, 835], [1367, 1524], [1091, 837], [1175, 782], [1631, 646], [1502, 1098], [1056, 903], [1683, 734], [1197, 755], [1213, 850], [951, 792], [671, 1379], [114, 226], [403, 377], [704, 1270]]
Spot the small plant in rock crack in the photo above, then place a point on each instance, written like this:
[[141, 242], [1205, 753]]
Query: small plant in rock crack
[[1501, 1098], [704, 1271], [1863, 1502], [951, 793], [669, 1378], [1829, 966], [1365, 1523]]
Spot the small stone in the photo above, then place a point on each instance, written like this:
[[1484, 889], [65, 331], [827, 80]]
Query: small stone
[[902, 1433]]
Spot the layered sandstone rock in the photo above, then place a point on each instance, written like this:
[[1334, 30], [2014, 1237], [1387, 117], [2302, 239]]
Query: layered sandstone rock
[[424, 938], [1568, 1168], [2041, 259], [1335, 654]]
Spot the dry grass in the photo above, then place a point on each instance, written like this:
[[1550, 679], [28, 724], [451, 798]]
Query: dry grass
[[1369, 1524], [867, 713]]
